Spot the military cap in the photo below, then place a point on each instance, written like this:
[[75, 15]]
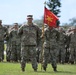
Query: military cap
[[29, 16], [15, 24]]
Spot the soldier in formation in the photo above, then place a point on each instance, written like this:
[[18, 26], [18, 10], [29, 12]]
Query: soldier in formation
[[30, 37], [62, 43], [72, 46], [3, 31], [8, 49], [51, 36], [15, 44]]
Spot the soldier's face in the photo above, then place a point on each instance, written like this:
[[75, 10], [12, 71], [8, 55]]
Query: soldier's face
[[29, 20], [16, 26], [50, 27]]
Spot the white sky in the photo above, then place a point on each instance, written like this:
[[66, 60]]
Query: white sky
[[12, 11]]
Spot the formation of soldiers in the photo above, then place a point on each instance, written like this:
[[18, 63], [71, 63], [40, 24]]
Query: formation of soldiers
[[25, 43]]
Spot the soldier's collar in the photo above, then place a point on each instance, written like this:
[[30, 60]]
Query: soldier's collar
[[30, 24]]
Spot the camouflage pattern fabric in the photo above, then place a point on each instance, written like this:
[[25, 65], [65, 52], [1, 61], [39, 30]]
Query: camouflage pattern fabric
[[50, 47], [3, 30], [30, 37]]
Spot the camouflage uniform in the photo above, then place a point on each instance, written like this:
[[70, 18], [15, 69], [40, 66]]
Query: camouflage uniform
[[18, 47], [30, 36], [50, 47], [73, 47], [8, 49], [15, 45], [62, 50], [3, 30]]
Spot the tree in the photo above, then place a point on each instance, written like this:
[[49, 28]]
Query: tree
[[39, 22], [72, 21], [66, 26], [54, 6]]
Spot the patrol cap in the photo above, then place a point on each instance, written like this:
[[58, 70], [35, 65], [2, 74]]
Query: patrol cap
[[15, 24], [29, 16]]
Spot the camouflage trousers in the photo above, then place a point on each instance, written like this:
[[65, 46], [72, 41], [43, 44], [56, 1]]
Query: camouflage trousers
[[28, 52], [62, 53], [15, 52], [8, 51], [1, 50], [50, 54], [72, 53]]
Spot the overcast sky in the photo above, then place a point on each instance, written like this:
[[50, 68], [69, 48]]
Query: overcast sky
[[12, 11]]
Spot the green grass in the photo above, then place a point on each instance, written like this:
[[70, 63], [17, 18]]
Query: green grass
[[14, 69]]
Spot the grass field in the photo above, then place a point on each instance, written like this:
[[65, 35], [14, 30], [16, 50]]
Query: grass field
[[14, 69]]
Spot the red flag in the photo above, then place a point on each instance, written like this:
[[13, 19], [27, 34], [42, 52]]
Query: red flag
[[50, 18]]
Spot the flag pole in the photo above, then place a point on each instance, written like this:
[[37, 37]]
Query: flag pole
[[42, 51]]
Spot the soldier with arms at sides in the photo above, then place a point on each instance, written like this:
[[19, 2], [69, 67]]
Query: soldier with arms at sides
[[30, 37]]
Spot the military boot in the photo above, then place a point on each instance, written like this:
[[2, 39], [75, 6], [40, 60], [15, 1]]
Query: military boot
[[55, 70], [72, 62], [23, 69], [35, 70], [44, 68]]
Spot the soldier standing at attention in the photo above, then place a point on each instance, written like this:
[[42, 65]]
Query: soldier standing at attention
[[3, 31], [30, 37], [73, 46], [8, 49], [14, 43], [62, 43], [51, 36]]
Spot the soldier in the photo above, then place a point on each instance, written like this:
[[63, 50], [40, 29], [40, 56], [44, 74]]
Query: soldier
[[73, 46], [8, 49], [3, 31], [30, 37], [15, 41], [67, 49], [62, 41], [50, 47]]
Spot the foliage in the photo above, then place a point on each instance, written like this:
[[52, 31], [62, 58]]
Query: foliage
[[70, 24], [39, 22], [54, 6], [72, 21]]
